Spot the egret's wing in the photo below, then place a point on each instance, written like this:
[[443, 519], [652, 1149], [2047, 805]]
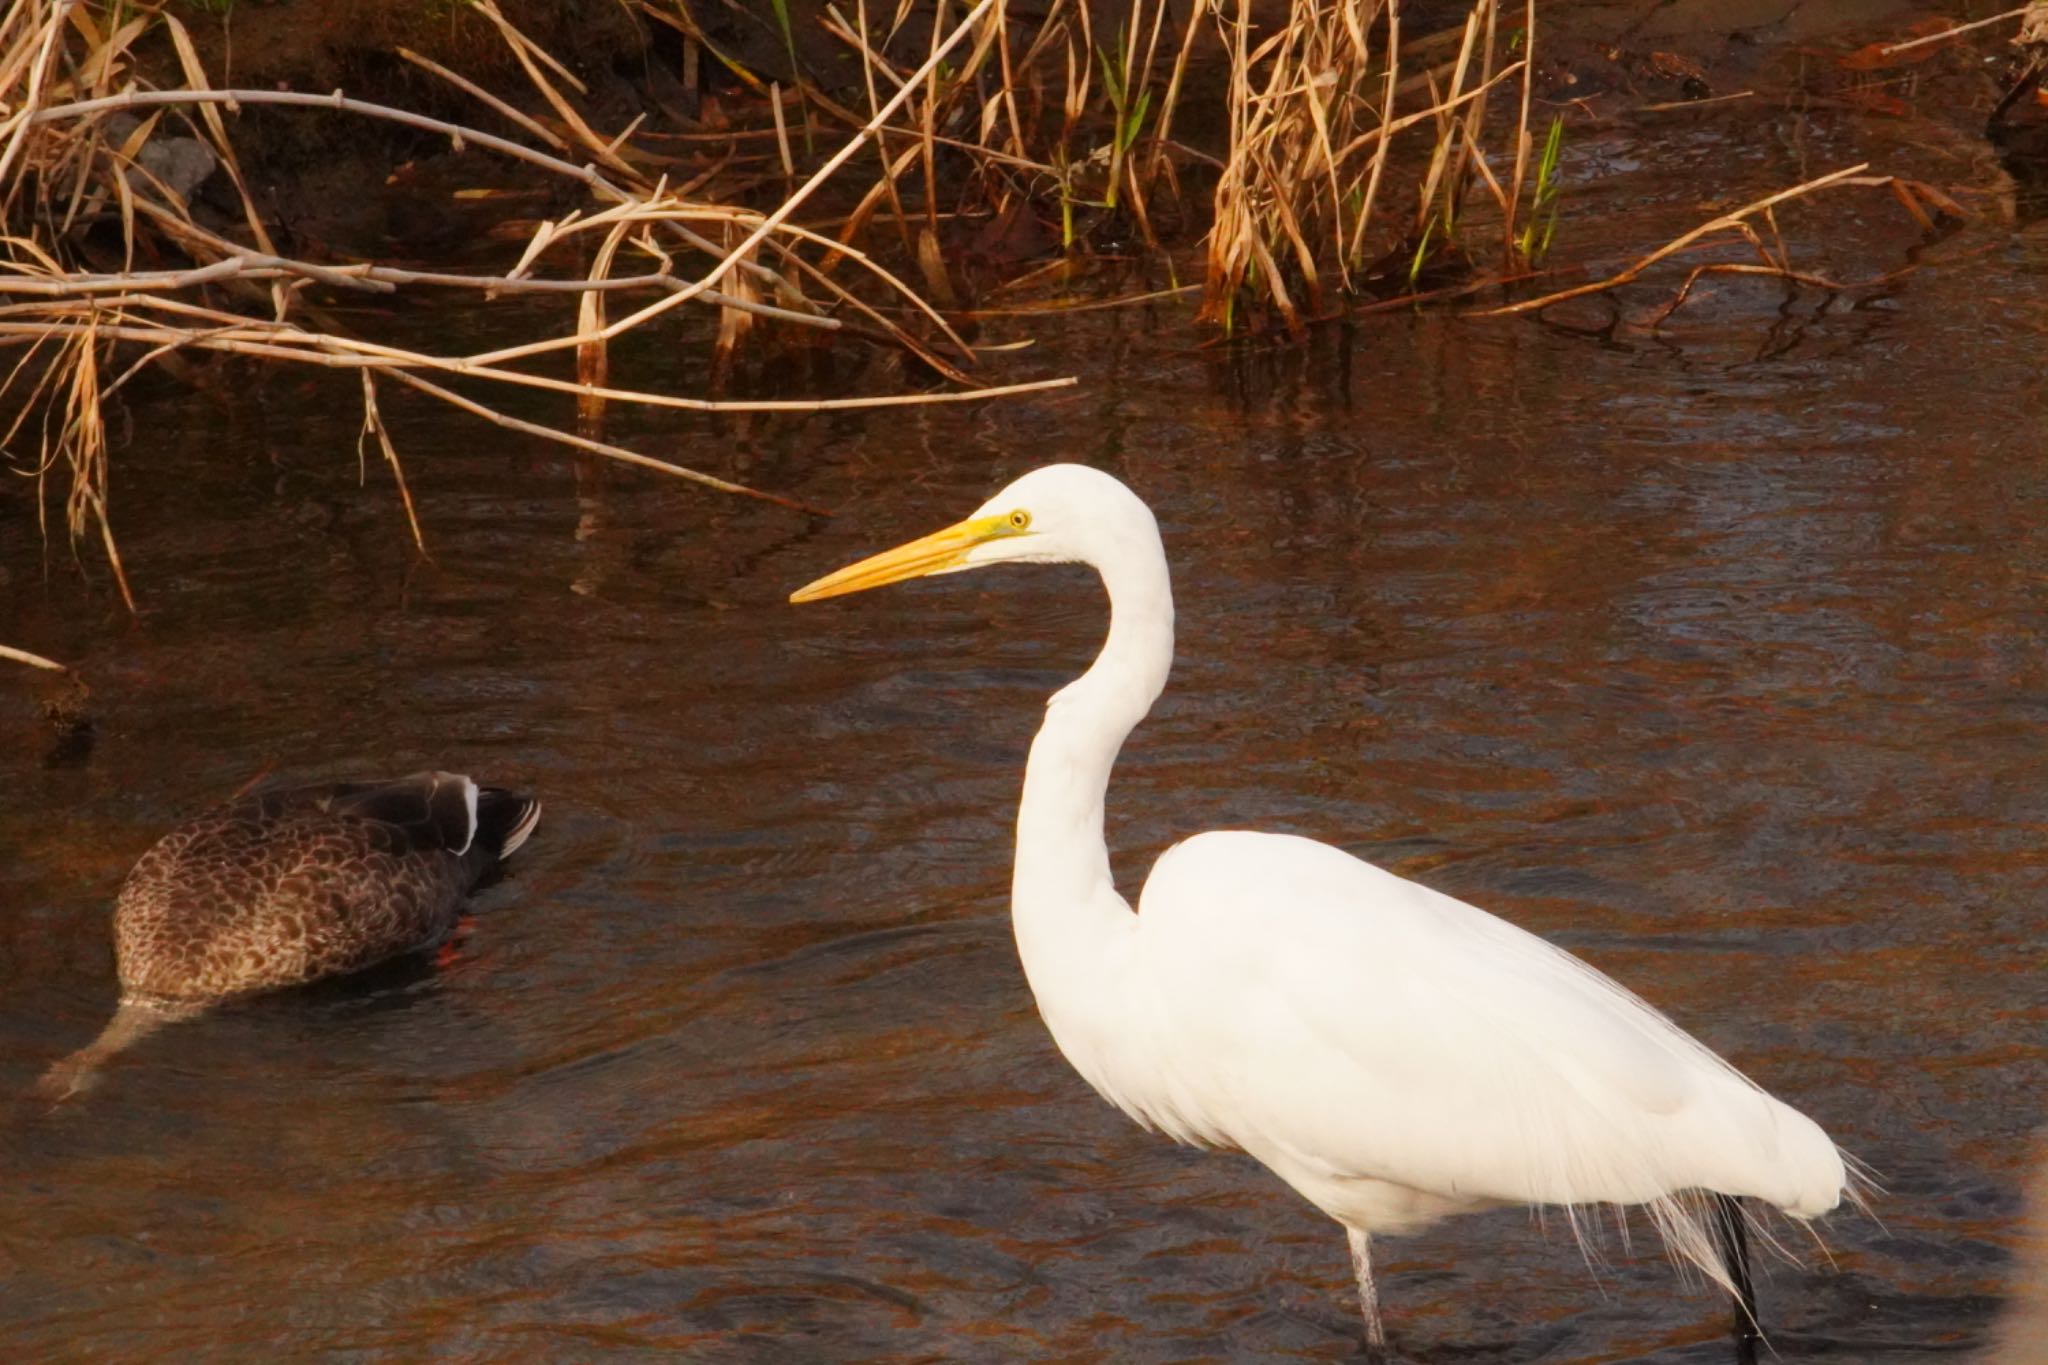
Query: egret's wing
[[1345, 1025]]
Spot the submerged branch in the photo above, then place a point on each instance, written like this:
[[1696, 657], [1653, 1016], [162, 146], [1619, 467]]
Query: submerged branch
[[1723, 223]]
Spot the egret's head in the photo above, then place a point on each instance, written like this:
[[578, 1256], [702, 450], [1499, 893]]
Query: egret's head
[[1059, 514]]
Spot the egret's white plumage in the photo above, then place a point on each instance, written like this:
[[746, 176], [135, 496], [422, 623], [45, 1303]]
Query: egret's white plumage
[[1392, 1053]]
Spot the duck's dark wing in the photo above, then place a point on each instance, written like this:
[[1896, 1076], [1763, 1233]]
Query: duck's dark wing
[[429, 812]]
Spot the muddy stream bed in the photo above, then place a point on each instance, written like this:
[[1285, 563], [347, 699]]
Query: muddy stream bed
[[1715, 655]]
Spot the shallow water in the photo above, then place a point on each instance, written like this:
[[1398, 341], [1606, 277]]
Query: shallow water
[[1713, 655]]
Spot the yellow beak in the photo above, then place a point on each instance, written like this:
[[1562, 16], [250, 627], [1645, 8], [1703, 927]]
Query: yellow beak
[[931, 554]]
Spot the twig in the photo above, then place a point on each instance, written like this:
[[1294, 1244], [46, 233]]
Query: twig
[[1737, 268], [382, 278], [373, 423], [314, 348], [1094, 305], [1387, 130], [299, 99], [596, 447], [468, 87], [22, 656], [68, 286], [1948, 33], [1723, 223], [1669, 106]]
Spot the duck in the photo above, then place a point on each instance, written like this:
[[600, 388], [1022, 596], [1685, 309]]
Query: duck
[[290, 884]]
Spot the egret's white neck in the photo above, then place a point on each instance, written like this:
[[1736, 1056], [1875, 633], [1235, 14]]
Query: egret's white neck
[[1070, 923]]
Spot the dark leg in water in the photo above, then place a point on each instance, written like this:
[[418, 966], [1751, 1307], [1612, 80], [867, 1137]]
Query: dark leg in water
[[1731, 1237]]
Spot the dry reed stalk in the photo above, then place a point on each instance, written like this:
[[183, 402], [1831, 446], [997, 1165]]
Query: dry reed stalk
[[1313, 119], [589, 444], [1290, 106], [373, 424], [593, 357], [531, 58], [80, 442], [195, 77], [891, 167], [1523, 142], [1447, 141], [1086, 306], [531, 126], [1020, 156], [22, 656]]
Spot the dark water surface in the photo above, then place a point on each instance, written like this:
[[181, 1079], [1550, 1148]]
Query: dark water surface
[[1715, 656]]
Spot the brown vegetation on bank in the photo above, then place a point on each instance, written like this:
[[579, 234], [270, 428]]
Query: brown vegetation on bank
[[1337, 155]]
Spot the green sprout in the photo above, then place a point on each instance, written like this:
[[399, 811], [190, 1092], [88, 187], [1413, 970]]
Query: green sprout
[[1534, 239]]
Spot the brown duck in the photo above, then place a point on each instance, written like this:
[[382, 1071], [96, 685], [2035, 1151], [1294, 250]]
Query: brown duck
[[292, 884]]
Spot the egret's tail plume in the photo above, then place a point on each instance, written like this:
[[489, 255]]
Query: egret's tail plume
[[74, 1075], [1861, 1185], [1710, 1233]]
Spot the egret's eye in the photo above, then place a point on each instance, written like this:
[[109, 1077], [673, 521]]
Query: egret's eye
[[1020, 520]]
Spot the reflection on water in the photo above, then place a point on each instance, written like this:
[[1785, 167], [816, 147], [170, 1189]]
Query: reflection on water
[[1713, 656]]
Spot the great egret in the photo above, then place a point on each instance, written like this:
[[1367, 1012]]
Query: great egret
[[1392, 1053], [291, 884]]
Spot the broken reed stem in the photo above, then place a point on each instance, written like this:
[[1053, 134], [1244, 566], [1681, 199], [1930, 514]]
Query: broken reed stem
[[22, 656], [373, 423], [1949, 33], [781, 132], [1722, 223]]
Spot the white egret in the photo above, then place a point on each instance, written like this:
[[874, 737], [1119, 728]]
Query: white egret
[[1392, 1053]]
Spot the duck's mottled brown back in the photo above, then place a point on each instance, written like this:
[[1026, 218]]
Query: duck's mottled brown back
[[292, 884]]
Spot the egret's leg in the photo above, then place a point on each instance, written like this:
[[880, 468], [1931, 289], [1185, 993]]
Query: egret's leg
[[1731, 1235], [1368, 1297]]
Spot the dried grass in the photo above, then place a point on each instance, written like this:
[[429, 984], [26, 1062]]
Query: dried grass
[[86, 144], [1054, 112]]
